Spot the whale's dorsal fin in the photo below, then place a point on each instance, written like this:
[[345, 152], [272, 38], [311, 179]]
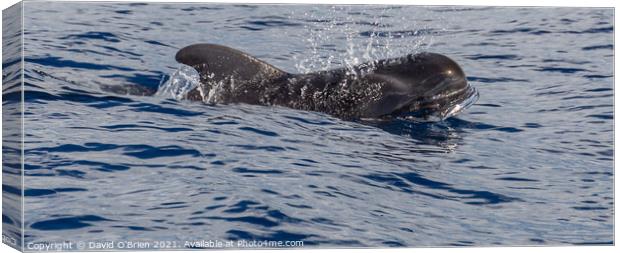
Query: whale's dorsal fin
[[220, 62]]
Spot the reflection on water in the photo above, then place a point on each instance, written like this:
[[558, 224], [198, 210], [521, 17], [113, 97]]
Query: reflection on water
[[529, 164]]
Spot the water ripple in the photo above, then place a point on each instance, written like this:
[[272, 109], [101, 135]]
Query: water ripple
[[106, 157]]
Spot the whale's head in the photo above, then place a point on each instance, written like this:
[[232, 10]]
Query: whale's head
[[420, 87]]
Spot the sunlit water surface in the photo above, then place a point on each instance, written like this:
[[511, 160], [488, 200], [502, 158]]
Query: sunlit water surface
[[529, 164]]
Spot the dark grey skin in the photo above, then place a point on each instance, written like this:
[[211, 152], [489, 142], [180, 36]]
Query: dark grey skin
[[419, 86]]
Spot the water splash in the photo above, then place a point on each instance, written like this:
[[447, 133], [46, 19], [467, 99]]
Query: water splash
[[186, 79], [182, 81], [368, 35], [213, 92]]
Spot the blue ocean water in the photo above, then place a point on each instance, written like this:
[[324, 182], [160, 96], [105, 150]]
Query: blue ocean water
[[530, 164]]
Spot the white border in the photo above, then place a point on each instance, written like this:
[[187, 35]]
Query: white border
[[573, 3]]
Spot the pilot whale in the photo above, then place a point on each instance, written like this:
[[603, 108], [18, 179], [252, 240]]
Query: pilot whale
[[419, 87]]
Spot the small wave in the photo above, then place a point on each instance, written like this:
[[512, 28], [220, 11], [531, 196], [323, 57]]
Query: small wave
[[598, 47], [105, 36], [72, 222], [58, 62]]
